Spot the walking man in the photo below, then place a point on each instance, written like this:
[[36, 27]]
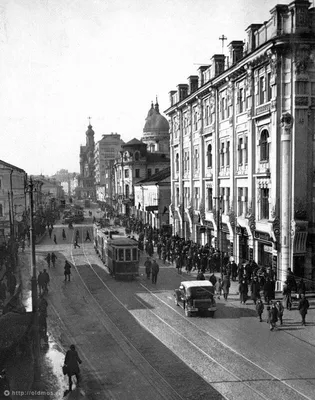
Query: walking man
[[148, 266], [63, 234], [67, 272], [72, 361], [260, 309], [155, 270], [46, 280], [48, 258], [53, 259], [76, 244], [55, 239], [303, 307]]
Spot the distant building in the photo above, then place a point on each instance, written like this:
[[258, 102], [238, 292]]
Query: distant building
[[86, 186], [242, 146], [106, 150]]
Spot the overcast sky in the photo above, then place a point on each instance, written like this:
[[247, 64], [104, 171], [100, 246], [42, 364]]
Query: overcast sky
[[64, 60]]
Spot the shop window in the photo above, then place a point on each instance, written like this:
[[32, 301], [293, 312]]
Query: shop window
[[264, 201], [264, 146], [209, 156]]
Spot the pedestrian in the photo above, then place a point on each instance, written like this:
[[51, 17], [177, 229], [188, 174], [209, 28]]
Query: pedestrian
[[218, 287], [148, 266], [50, 232], [280, 310], [303, 307], [87, 237], [53, 259], [260, 308], [287, 296], [55, 239], [64, 237], [226, 283], [255, 290], [273, 317], [268, 290], [46, 280], [243, 291], [76, 244], [48, 258], [72, 361], [178, 263], [200, 276], [40, 282], [301, 288], [155, 270], [67, 272]]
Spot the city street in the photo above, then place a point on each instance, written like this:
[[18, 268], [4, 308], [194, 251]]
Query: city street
[[135, 343]]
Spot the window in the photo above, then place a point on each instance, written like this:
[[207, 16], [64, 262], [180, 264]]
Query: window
[[128, 254], [156, 170], [196, 198], [135, 254], [240, 151], [264, 210], [196, 159], [137, 171], [240, 202], [264, 146], [177, 162], [0, 183], [149, 172], [1, 210], [228, 153], [120, 254], [223, 108], [222, 154], [261, 93], [126, 173], [195, 120], [241, 100], [177, 196], [269, 90], [246, 150], [207, 115], [127, 191], [137, 156], [209, 199], [209, 156]]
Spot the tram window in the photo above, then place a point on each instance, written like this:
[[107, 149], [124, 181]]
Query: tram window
[[128, 255], [121, 254], [134, 254], [110, 254]]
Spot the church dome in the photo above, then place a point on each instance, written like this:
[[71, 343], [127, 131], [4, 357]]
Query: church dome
[[155, 122], [90, 130]]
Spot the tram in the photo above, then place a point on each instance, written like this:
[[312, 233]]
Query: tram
[[120, 254]]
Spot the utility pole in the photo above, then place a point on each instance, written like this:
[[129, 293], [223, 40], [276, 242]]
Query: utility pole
[[37, 367]]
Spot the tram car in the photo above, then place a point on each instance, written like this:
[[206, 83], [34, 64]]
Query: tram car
[[119, 253]]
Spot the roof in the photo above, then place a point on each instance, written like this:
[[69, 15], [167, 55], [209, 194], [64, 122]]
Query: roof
[[189, 284], [134, 142], [11, 166], [158, 177], [155, 122], [123, 241]]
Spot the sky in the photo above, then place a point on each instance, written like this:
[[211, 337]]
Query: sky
[[62, 61]]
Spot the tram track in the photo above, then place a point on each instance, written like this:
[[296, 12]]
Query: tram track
[[155, 379], [272, 378]]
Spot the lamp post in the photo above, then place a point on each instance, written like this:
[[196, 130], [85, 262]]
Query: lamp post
[[37, 372], [219, 229]]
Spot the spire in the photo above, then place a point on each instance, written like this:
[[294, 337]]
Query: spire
[[156, 105], [152, 106], [90, 126]]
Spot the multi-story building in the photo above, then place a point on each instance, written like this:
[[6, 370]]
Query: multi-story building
[[243, 146], [86, 181], [106, 149], [13, 201]]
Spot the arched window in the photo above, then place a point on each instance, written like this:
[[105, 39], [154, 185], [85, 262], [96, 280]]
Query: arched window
[[177, 162], [209, 156], [137, 156], [264, 146]]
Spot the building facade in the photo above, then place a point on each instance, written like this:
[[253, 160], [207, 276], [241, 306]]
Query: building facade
[[86, 179], [243, 146], [106, 150]]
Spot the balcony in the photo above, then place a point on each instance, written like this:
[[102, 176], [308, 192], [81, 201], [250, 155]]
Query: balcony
[[262, 109]]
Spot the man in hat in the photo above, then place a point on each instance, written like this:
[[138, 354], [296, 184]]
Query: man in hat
[[72, 361]]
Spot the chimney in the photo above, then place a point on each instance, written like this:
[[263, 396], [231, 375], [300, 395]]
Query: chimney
[[236, 51], [251, 45], [217, 65], [182, 89], [201, 70], [300, 16], [193, 83], [171, 94]]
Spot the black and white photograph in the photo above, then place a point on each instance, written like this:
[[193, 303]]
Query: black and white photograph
[[157, 200]]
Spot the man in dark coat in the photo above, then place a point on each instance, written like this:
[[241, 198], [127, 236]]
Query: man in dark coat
[[155, 271], [255, 290], [273, 317], [268, 290], [243, 291], [72, 361], [226, 283], [303, 307], [67, 271], [148, 266], [213, 279]]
